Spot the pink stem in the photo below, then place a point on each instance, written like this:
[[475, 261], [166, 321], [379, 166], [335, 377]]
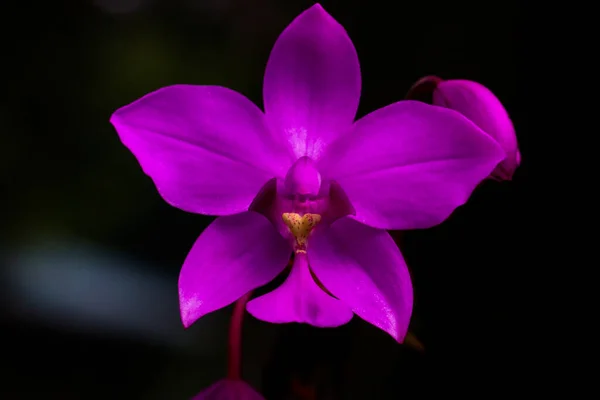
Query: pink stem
[[235, 337], [424, 88]]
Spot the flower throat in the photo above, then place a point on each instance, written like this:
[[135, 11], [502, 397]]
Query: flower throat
[[302, 186]]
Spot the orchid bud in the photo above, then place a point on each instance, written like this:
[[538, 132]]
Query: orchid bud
[[229, 389], [481, 106]]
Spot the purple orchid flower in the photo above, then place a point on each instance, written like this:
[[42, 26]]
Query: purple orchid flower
[[227, 389], [481, 106], [303, 177]]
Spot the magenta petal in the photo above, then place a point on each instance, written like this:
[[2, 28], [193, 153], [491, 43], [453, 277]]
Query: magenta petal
[[410, 164], [312, 82], [234, 255], [227, 389], [207, 148], [481, 106], [300, 299], [363, 267]]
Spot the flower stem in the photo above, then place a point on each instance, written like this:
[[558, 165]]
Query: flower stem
[[423, 89], [235, 337]]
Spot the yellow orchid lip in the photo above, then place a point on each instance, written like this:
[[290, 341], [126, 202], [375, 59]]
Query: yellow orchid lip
[[300, 226]]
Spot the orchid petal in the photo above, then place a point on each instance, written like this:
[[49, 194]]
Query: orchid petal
[[312, 82], [207, 148], [300, 299], [409, 165], [363, 267], [229, 389], [481, 106], [234, 255]]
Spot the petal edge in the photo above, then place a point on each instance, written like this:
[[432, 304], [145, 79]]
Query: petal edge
[[234, 255], [300, 299], [206, 148], [312, 82], [409, 165], [363, 267]]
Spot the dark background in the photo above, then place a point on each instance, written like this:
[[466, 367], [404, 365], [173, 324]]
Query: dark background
[[91, 254]]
